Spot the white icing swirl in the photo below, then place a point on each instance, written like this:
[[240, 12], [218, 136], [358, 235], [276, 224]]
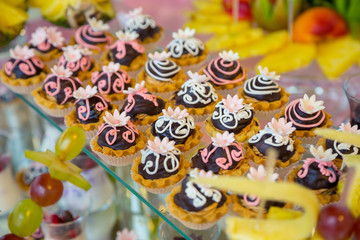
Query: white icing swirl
[[164, 70], [192, 45], [198, 92], [180, 132], [199, 197], [275, 140], [152, 167], [229, 119], [267, 87], [141, 21]]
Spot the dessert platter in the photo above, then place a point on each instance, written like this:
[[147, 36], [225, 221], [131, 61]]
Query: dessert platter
[[220, 143]]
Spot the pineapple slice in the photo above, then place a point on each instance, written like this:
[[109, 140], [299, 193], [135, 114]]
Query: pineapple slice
[[11, 17], [270, 43], [54, 9], [336, 56], [291, 57]]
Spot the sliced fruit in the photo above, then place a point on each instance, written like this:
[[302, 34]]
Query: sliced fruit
[[219, 29], [270, 43], [282, 213], [37, 3], [54, 10], [106, 8], [335, 57], [11, 16], [206, 5], [291, 57], [16, 3]]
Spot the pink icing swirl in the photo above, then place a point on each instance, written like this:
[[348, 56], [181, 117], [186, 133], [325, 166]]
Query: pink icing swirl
[[254, 203], [129, 135], [44, 46], [323, 170], [50, 85], [27, 66], [100, 106], [220, 63], [95, 37], [291, 109], [105, 85], [84, 64], [121, 49], [144, 94], [224, 163]]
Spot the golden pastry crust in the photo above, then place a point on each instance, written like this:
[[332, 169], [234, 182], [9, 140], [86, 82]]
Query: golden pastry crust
[[245, 134], [338, 161], [153, 38], [162, 182], [324, 195], [51, 55], [307, 133], [43, 99], [140, 144], [192, 141], [208, 215], [254, 154], [188, 59], [264, 105], [136, 64], [230, 85], [84, 76], [21, 82], [20, 182], [154, 85], [240, 169], [71, 120]]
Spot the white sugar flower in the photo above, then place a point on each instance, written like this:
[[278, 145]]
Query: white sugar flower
[[125, 234], [281, 127], [348, 128], [260, 173], [39, 36], [310, 105], [72, 53], [233, 104], [116, 119], [127, 35], [176, 114], [223, 140], [135, 12], [264, 72], [183, 34], [201, 173], [322, 155], [161, 146], [22, 52], [98, 25], [61, 71], [229, 56], [159, 56], [138, 87], [111, 67], [86, 93], [55, 37], [197, 77]]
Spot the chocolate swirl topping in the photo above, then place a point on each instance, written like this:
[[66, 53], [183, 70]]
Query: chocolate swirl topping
[[144, 25], [189, 46], [87, 37], [46, 50], [233, 122], [315, 180], [24, 68], [84, 64], [196, 94], [222, 72], [89, 110], [111, 82], [302, 120], [61, 88], [262, 89], [124, 57], [184, 201], [161, 70], [117, 137]]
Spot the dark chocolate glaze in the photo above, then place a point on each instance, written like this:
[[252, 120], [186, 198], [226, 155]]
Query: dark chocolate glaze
[[112, 80], [186, 203], [76, 73], [330, 144], [130, 55], [189, 91], [61, 94], [242, 123], [175, 126], [283, 154], [145, 33], [120, 143], [20, 74], [161, 172], [274, 96], [143, 106], [212, 68], [42, 51], [94, 113], [166, 68], [315, 180], [268, 204], [197, 162], [181, 42], [304, 115], [88, 41]]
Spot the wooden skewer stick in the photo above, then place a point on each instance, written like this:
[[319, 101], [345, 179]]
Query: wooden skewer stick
[[235, 10]]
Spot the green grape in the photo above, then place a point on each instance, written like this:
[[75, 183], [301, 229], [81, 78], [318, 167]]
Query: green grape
[[70, 143], [25, 218]]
